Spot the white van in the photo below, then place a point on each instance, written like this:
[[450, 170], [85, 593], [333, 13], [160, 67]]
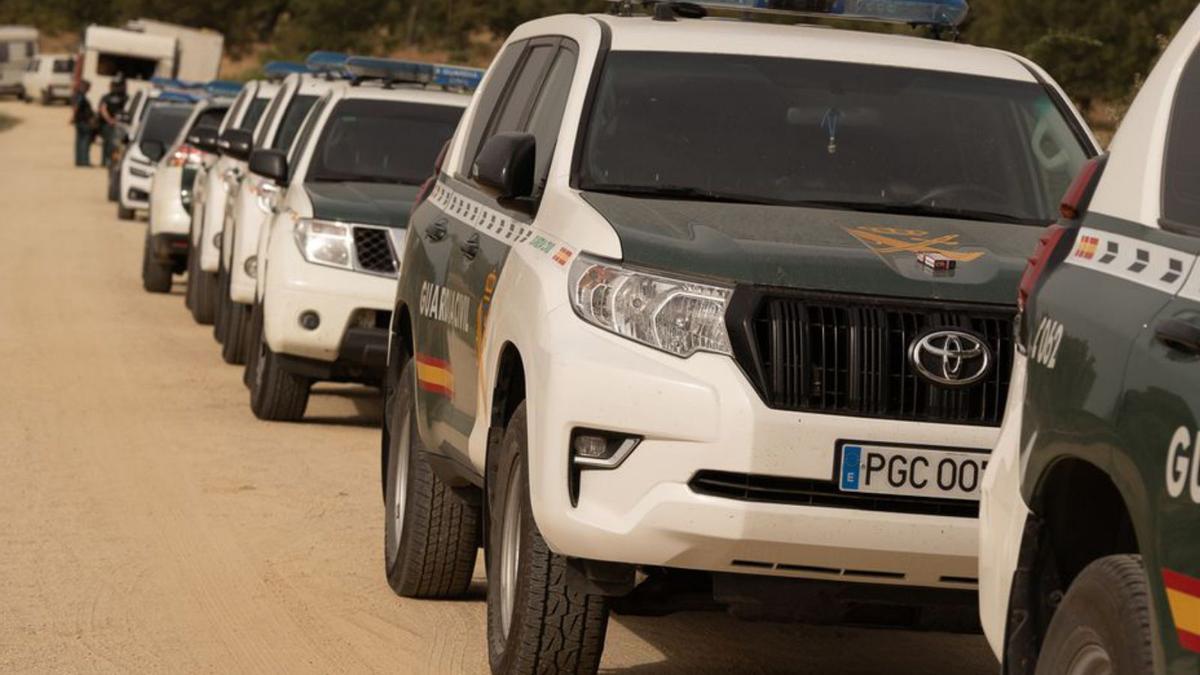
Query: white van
[[139, 57], [18, 45], [48, 78]]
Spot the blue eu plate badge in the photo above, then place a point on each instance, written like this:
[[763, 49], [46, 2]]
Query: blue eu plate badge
[[851, 464]]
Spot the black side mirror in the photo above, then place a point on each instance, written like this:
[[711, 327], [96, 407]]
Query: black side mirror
[[204, 139], [153, 150], [506, 164], [270, 164], [236, 143]]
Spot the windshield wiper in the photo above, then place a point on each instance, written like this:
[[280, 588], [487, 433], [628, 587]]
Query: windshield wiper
[[683, 192], [918, 209]]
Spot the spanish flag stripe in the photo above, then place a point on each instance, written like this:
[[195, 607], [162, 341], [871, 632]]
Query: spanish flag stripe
[[433, 375], [1183, 596]]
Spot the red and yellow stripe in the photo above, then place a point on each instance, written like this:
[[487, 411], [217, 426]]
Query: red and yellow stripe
[[434, 375], [1183, 595]]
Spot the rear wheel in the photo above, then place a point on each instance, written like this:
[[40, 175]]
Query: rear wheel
[[431, 533], [199, 289], [124, 213], [221, 313], [537, 622], [156, 276], [276, 394], [1102, 626], [253, 336], [114, 185]]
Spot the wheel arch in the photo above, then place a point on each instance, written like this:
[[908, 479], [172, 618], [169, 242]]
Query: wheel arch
[[400, 350]]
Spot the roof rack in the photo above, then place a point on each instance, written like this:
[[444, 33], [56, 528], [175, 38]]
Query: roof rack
[[939, 14], [277, 70], [329, 64], [398, 71]]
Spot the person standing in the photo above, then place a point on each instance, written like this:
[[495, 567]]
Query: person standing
[[83, 117], [110, 106]]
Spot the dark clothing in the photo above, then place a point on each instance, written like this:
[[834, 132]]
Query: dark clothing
[[112, 104], [82, 117], [83, 113]]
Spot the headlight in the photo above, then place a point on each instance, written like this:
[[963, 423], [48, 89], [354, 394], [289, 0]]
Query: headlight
[[677, 316], [324, 243]]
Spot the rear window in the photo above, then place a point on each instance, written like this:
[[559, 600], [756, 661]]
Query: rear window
[[293, 117], [1181, 175], [382, 141], [820, 133], [132, 67], [164, 122]]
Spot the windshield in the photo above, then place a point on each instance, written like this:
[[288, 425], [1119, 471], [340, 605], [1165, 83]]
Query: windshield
[[382, 141], [164, 121], [253, 113], [838, 135]]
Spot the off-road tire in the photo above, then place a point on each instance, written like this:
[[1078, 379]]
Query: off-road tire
[[200, 290], [114, 185], [438, 541], [156, 276], [253, 337], [554, 627], [221, 312], [1105, 614], [124, 213], [237, 323], [277, 395]]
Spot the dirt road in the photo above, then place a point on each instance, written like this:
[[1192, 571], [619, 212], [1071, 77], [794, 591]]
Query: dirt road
[[149, 523]]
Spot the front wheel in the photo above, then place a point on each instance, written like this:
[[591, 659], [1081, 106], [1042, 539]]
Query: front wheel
[[276, 394], [237, 320], [536, 621], [1102, 626], [200, 292], [124, 213], [156, 276]]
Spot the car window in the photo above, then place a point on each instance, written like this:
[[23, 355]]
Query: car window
[[1181, 174], [489, 96], [133, 67], [164, 122], [254, 112], [517, 99], [3, 52], [307, 130], [381, 141], [30, 49], [546, 116], [842, 135], [211, 117], [292, 118], [64, 66], [269, 117], [32, 67], [238, 104]]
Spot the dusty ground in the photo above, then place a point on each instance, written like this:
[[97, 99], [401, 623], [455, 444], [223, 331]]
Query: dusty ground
[[149, 523]]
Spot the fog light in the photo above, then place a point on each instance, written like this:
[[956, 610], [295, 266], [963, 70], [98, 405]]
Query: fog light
[[310, 320], [251, 267], [600, 450]]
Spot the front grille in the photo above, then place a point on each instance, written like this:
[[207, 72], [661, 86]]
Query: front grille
[[846, 355], [373, 248], [807, 492]]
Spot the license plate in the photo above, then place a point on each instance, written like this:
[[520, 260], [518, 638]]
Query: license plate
[[912, 472]]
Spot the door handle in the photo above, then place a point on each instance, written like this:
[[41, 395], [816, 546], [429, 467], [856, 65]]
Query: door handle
[[1178, 335], [436, 231], [470, 247]]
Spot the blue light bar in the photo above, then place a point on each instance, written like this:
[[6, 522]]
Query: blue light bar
[[457, 77], [223, 88], [277, 70], [176, 97], [942, 13], [172, 83], [326, 62], [389, 70]]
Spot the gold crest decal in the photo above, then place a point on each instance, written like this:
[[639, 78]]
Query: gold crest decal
[[886, 241]]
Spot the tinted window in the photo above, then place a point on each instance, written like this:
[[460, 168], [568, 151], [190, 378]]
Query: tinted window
[[133, 67], [33, 66], [30, 49], [253, 114], [238, 104], [546, 116], [487, 97], [845, 135], [519, 96], [306, 131], [211, 117], [1181, 176], [3, 52], [164, 122], [382, 141], [64, 65], [272, 111], [292, 118]]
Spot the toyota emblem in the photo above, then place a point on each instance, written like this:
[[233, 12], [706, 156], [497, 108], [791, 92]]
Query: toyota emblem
[[951, 358]]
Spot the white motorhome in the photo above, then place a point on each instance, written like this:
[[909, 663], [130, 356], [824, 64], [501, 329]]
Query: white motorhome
[[146, 49], [18, 45], [198, 50]]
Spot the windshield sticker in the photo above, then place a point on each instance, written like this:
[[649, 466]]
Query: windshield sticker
[[1157, 267], [434, 375], [1183, 596], [889, 241]]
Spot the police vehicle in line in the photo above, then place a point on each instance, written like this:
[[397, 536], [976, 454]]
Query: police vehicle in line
[[225, 158], [329, 264], [166, 247], [1089, 561], [723, 302], [252, 203], [156, 115]]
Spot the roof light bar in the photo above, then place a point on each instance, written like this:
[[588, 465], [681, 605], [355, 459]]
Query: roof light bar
[[277, 70], [171, 96], [457, 77], [326, 62], [938, 13], [172, 83], [223, 88], [390, 70]]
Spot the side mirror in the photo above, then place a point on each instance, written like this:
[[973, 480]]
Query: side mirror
[[153, 150], [203, 139], [506, 164], [236, 143], [270, 164]]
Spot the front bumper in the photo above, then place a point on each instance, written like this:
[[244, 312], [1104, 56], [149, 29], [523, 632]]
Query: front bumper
[[136, 182], [354, 310], [701, 414], [167, 213], [1003, 515]]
